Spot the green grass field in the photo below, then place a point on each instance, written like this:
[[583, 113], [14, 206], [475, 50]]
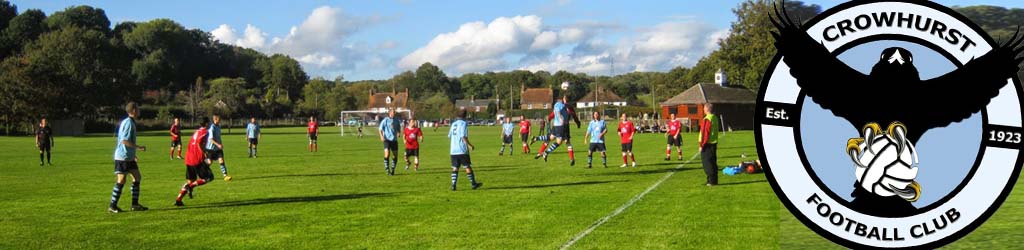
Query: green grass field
[[340, 197]]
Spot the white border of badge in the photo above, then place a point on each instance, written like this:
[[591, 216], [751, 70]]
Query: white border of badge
[[776, 134]]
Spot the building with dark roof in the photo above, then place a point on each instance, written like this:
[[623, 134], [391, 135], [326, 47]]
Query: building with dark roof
[[598, 97], [734, 105], [474, 105]]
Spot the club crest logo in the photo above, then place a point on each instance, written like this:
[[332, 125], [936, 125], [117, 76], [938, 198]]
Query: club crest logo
[[892, 124]]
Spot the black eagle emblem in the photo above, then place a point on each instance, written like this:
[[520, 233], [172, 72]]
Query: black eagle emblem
[[922, 104], [834, 85]]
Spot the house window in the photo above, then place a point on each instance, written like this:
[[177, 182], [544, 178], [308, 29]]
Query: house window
[[673, 111], [691, 109], [529, 106], [545, 106]]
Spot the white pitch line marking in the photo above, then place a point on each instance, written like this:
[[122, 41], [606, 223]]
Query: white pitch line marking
[[625, 206]]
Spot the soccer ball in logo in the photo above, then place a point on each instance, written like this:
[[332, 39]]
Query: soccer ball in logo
[[886, 162], [565, 85]]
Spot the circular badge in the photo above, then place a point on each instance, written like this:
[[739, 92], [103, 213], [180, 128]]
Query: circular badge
[[890, 124]]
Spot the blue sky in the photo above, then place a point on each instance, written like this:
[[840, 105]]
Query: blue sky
[[377, 39]]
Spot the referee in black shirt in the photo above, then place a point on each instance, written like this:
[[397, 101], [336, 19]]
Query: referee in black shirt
[[44, 141]]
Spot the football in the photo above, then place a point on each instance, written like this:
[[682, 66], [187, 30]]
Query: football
[[888, 166], [565, 85]]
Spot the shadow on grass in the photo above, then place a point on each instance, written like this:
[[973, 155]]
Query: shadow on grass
[[463, 170], [650, 171], [751, 147], [669, 163], [276, 200], [302, 175], [741, 183], [557, 185]]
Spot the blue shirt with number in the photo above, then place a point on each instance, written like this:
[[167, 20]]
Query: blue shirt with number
[[125, 132], [214, 135], [252, 130], [455, 135], [596, 128]]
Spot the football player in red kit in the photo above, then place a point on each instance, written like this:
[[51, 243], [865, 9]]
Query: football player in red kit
[[413, 138], [197, 170], [524, 133], [674, 137], [626, 132], [313, 130]]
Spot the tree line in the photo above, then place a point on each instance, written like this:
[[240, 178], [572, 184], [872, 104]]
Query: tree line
[[74, 64]]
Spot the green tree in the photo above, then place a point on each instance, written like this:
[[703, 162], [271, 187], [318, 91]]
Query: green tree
[[477, 85], [161, 46], [225, 97], [82, 16], [577, 84], [998, 22], [749, 48], [360, 92], [434, 107], [282, 73], [406, 79], [429, 79], [338, 99], [7, 12], [241, 62], [123, 28], [21, 30], [314, 97], [66, 73]]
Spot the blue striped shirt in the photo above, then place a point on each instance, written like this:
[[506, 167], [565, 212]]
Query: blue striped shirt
[[213, 135]]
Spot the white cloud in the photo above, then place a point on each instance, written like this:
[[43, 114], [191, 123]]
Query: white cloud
[[669, 37], [477, 46], [546, 40], [253, 38], [320, 42], [525, 42], [657, 48], [318, 59], [323, 30], [591, 64], [572, 35], [225, 34]]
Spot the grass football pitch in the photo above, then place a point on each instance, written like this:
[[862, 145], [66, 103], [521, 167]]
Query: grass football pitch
[[341, 198]]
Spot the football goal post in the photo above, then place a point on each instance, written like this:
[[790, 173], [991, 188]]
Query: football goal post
[[354, 113]]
